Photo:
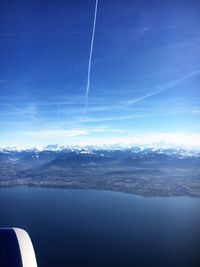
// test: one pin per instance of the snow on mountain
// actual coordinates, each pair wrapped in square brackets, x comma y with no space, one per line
[158,148]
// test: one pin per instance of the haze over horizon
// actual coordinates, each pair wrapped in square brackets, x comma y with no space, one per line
[145,72]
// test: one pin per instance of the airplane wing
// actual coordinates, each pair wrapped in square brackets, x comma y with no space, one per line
[16,249]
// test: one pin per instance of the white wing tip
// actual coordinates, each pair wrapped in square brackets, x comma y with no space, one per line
[26,248]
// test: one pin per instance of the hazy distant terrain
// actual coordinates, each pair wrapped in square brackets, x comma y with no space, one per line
[147,171]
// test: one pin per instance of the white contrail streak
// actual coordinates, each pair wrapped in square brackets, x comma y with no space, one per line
[58,112]
[164,87]
[90,57]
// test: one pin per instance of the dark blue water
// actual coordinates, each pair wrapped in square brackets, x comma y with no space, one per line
[97,228]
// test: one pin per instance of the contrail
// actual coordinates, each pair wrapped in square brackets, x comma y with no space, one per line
[160,89]
[90,57]
[58,112]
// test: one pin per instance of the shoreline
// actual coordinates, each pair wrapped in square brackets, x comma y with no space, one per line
[100,190]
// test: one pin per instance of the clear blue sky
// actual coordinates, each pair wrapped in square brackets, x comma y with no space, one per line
[145,76]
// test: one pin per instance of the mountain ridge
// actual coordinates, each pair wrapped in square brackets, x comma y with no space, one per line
[137,170]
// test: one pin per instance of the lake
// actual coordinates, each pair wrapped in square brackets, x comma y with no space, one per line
[99,228]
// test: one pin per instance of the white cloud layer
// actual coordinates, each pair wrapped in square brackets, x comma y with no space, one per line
[56,133]
[84,137]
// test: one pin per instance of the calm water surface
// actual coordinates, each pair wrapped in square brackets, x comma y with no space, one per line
[97,228]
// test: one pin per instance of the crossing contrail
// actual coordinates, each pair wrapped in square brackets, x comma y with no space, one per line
[90,57]
[58,112]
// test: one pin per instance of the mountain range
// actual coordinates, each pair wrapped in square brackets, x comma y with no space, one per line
[147,170]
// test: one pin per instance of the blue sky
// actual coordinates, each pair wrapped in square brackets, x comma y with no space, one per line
[145,72]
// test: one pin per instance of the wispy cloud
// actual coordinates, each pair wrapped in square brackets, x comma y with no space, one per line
[56,133]
[28,111]
[115,118]
[15,34]
[85,137]
[73,132]
[176,138]
[196,111]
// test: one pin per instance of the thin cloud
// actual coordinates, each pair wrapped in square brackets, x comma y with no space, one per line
[56,133]
[196,111]
[128,117]
[62,133]
[16,33]
[150,138]
[21,112]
